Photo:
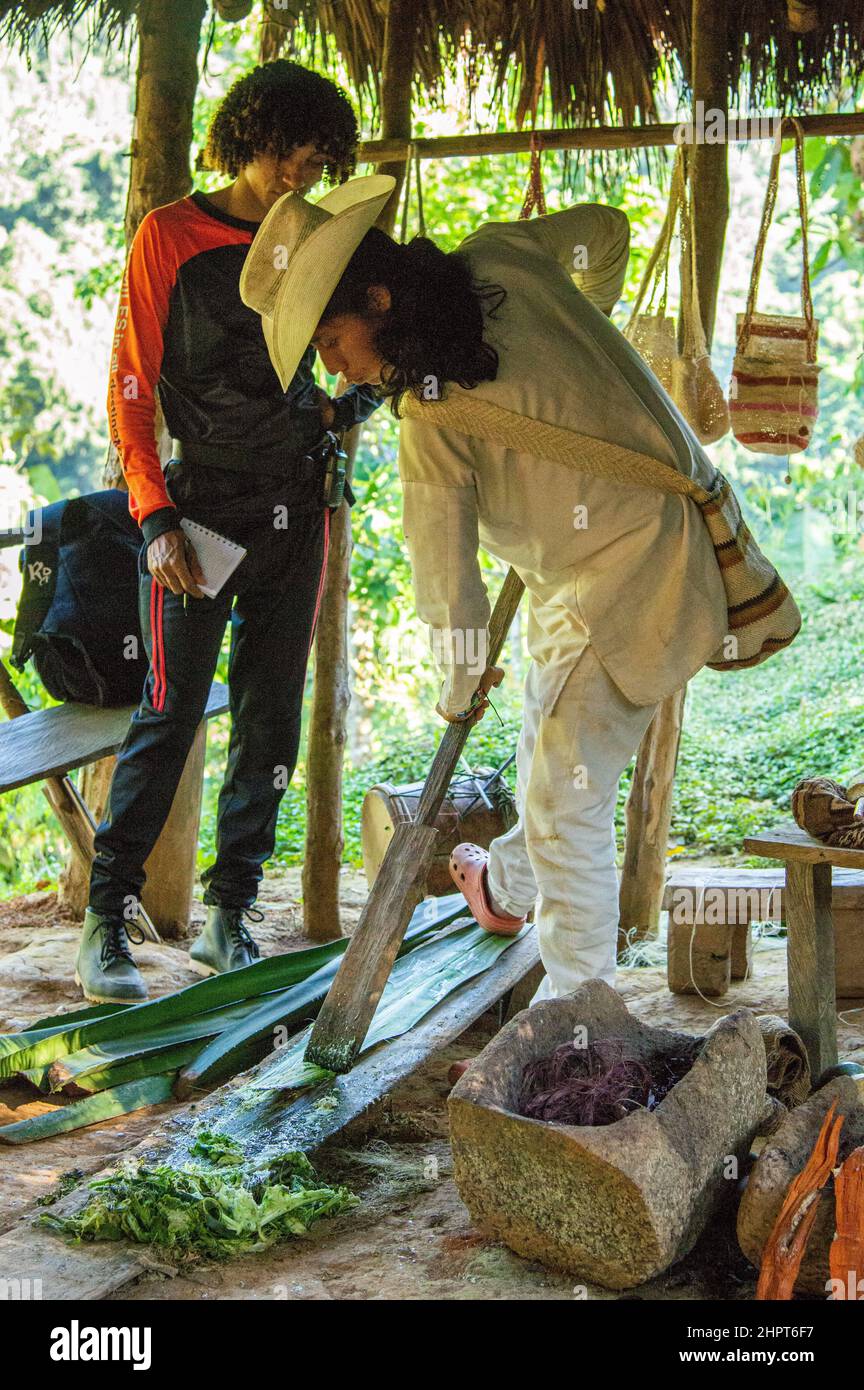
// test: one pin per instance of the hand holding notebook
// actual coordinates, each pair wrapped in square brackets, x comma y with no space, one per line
[217,555]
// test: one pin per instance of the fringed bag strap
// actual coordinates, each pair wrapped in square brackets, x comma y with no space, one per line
[481,419]
[694,344]
[756,271]
[656,274]
[767,214]
[806,295]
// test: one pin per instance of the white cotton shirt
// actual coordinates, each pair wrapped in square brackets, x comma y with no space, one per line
[629,569]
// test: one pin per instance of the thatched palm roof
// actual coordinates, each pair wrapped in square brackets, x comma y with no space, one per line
[550,57]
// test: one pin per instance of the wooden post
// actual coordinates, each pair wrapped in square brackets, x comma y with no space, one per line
[397,76]
[709,171]
[649,811]
[328,725]
[649,806]
[166,82]
[171,867]
[810,962]
[328,733]
[346,1013]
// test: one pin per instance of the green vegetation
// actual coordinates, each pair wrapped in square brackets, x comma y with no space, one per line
[127,1057]
[215,1205]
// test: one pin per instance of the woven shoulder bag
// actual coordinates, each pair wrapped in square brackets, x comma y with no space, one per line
[763,615]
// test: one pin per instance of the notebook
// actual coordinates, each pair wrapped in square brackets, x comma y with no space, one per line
[217,556]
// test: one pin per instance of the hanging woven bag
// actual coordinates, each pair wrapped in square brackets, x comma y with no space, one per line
[773,394]
[695,389]
[650,330]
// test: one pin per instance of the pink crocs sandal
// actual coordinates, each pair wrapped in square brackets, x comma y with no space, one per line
[468,872]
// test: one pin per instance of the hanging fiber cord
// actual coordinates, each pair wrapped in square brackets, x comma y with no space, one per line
[535,195]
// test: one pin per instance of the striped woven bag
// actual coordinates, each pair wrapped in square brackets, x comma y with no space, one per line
[763,615]
[773,394]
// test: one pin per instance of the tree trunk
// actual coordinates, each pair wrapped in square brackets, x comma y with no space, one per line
[166,81]
[328,726]
[649,806]
[397,77]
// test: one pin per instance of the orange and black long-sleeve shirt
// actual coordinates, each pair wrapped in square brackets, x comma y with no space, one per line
[183,331]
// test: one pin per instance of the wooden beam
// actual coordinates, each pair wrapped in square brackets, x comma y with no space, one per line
[709,164]
[395,151]
[171,866]
[397,77]
[54,741]
[794,845]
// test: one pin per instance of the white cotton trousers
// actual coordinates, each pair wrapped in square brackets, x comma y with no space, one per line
[560,856]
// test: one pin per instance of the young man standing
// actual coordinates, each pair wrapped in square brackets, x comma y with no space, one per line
[245,465]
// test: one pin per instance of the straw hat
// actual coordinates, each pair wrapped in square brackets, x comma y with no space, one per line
[297,258]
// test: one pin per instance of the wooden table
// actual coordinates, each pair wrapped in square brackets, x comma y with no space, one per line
[810,947]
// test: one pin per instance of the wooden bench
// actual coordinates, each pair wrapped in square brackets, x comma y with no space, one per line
[711,909]
[810,948]
[44,745]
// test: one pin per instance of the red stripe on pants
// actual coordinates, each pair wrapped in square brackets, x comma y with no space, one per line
[320,594]
[157,598]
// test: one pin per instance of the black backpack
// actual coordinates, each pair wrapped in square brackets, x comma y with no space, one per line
[78,614]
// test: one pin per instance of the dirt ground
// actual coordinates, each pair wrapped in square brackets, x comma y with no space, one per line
[411,1237]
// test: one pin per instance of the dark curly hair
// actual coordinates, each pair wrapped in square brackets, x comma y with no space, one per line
[275,108]
[435,325]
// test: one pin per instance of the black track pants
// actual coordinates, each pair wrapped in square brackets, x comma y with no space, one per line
[271,601]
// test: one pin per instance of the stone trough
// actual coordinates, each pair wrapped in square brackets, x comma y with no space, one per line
[615,1204]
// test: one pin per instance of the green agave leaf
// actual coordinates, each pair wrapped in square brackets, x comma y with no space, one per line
[104,1106]
[230,1051]
[76,1065]
[113,1066]
[76,1016]
[417,983]
[219,991]
[276,972]
[114,1074]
